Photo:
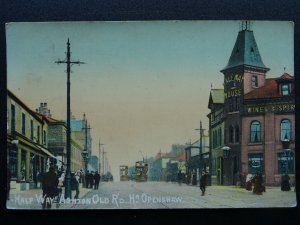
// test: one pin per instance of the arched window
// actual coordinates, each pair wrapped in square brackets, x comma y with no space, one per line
[231,134]
[285,130]
[255,132]
[237,134]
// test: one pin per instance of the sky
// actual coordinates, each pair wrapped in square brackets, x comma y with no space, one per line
[144,85]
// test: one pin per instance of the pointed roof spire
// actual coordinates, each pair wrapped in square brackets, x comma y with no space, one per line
[245,51]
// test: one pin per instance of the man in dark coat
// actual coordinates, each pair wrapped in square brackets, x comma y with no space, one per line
[97,180]
[203,183]
[91,179]
[285,183]
[179,177]
[87,179]
[74,185]
[258,187]
[49,183]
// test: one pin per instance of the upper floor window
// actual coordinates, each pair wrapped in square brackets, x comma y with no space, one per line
[285,89]
[285,129]
[23,123]
[31,129]
[254,81]
[44,137]
[13,117]
[255,132]
[38,134]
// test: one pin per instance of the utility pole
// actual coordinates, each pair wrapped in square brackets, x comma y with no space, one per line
[86,128]
[201,130]
[68,192]
[103,152]
[99,155]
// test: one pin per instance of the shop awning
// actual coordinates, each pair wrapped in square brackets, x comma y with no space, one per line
[46,151]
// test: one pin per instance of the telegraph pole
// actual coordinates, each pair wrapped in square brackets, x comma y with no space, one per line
[103,152]
[99,155]
[86,128]
[201,130]
[68,192]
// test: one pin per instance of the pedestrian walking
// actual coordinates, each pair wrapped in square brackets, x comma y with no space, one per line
[258,187]
[87,179]
[75,184]
[285,183]
[8,182]
[49,186]
[179,177]
[91,179]
[249,182]
[61,179]
[97,180]
[203,183]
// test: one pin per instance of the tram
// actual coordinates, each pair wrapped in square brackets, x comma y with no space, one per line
[141,169]
[124,173]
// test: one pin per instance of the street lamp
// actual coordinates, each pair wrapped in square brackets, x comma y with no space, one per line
[85,156]
[285,143]
[226,151]
[287,151]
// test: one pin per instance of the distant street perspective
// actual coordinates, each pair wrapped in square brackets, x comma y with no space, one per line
[156,195]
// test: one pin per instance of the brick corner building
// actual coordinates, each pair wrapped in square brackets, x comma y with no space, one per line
[252,117]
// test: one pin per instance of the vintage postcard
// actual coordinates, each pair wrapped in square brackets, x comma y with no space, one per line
[150,115]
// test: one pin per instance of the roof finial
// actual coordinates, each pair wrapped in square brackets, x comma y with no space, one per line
[284,69]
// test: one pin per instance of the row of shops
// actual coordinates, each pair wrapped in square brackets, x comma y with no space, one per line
[36,141]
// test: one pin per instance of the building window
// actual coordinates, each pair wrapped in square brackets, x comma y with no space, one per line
[31,129]
[44,137]
[13,161]
[285,89]
[231,133]
[38,134]
[285,130]
[23,166]
[285,163]
[23,124]
[256,163]
[254,81]
[13,118]
[255,132]
[237,134]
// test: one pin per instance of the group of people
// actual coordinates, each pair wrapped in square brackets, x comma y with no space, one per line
[92,179]
[52,183]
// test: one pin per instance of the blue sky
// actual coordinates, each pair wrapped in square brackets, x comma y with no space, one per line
[145,85]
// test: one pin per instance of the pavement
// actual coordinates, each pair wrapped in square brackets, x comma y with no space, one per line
[31,199]
[123,192]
